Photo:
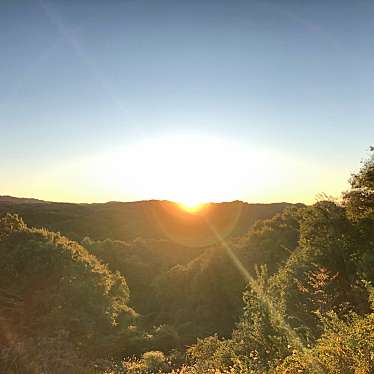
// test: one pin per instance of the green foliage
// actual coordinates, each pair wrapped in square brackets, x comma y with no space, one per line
[343,348]
[360,199]
[151,362]
[154,360]
[210,353]
[271,241]
[64,296]
[262,332]
[165,337]
[201,297]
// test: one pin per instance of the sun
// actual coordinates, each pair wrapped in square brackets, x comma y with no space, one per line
[187,169]
[191,206]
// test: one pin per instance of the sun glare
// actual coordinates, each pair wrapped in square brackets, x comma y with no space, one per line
[191,206]
[186,169]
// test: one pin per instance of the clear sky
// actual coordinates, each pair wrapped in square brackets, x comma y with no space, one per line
[196,100]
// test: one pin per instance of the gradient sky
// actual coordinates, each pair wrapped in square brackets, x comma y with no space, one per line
[84,85]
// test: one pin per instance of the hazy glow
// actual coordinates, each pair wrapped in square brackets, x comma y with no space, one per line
[188,169]
[191,206]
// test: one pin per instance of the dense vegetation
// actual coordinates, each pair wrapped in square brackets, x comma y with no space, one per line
[292,293]
[142,219]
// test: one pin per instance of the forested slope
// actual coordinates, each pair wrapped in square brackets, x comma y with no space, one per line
[292,293]
[152,219]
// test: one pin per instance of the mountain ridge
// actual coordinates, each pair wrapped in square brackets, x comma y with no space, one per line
[147,219]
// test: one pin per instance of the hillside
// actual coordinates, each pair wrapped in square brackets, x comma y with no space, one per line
[146,219]
[10,200]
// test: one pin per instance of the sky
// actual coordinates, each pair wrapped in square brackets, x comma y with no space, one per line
[184,100]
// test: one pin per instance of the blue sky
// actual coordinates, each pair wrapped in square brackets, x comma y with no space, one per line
[81,78]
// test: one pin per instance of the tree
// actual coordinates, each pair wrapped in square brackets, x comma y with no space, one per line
[70,301]
[345,347]
[359,200]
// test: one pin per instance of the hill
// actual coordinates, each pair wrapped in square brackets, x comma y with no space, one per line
[58,304]
[10,200]
[152,219]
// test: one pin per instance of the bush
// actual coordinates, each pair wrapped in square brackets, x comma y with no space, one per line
[154,361]
[344,348]
[59,303]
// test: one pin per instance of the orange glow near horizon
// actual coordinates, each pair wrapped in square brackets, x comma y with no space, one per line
[188,169]
[191,206]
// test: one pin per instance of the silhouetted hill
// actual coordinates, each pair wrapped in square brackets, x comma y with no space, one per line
[147,219]
[10,200]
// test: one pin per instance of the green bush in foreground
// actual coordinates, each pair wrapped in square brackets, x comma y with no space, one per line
[59,306]
[343,348]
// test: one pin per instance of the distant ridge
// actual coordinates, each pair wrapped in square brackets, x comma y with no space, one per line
[150,219]
[4,199]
